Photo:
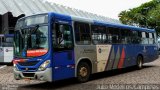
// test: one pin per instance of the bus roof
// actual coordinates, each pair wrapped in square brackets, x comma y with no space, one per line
[124,26]
[96,22]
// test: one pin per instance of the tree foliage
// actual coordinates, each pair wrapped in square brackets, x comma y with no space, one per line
[147,15]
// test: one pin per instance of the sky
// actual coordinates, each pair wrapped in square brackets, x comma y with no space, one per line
[108,8]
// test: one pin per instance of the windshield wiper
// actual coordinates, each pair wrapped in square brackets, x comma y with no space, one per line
[20,30]
[36,28]
[26,35]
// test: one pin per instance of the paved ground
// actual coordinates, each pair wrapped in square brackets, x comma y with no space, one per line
[130,78]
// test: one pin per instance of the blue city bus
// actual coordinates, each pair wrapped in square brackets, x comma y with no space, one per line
[52,46]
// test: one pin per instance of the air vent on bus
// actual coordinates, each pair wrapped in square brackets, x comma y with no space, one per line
[28,74]
[32,63]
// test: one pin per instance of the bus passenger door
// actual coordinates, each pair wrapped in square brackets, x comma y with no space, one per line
[63,52]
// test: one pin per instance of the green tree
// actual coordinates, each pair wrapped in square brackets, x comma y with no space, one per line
[147,15]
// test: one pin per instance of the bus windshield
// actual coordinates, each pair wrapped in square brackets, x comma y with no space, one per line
[32,20]
[31,41]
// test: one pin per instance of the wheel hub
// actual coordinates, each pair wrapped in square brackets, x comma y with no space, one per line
[83,71]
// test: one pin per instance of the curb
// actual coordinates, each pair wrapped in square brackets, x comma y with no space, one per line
[1,67]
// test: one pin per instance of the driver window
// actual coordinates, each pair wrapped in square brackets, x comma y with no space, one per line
[62,37]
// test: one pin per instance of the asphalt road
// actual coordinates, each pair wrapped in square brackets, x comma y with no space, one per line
[129,78]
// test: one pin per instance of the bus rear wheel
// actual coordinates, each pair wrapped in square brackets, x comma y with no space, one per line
[139,62]
[83,72]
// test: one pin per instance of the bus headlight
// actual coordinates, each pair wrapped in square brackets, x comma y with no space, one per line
[44,65]
[15,66]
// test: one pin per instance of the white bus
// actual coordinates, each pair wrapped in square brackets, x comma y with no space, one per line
[6,48]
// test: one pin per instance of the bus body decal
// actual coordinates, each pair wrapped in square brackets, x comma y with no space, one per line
[121,61]
[111,59]
[117,58]
[103,52]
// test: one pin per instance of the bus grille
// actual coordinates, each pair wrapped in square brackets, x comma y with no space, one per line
[32,63]
[28,74]
[28,69]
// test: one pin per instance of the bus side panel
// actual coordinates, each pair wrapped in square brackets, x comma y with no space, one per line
[86,52]
[147,51]
[130,58]
[64,65]
[8,54]
[103,52]
[133,51]
[119,57]
[1,54]
[113,59]
[122,55]
[126,55]
[128,50]
[152,53]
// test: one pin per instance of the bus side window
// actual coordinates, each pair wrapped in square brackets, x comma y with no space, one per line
[82,33]
[151,39]
[144,38]
[136,37]
[114,35]
[99,34]
[125,37]
[62,37]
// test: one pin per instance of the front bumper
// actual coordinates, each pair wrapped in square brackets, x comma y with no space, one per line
[45,75]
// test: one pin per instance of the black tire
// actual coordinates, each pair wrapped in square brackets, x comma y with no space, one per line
[83,72]
[139,62]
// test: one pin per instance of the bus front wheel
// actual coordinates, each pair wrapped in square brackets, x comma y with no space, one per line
[83,72]
[139,62]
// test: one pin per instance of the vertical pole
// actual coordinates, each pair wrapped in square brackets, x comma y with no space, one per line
[1,42]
